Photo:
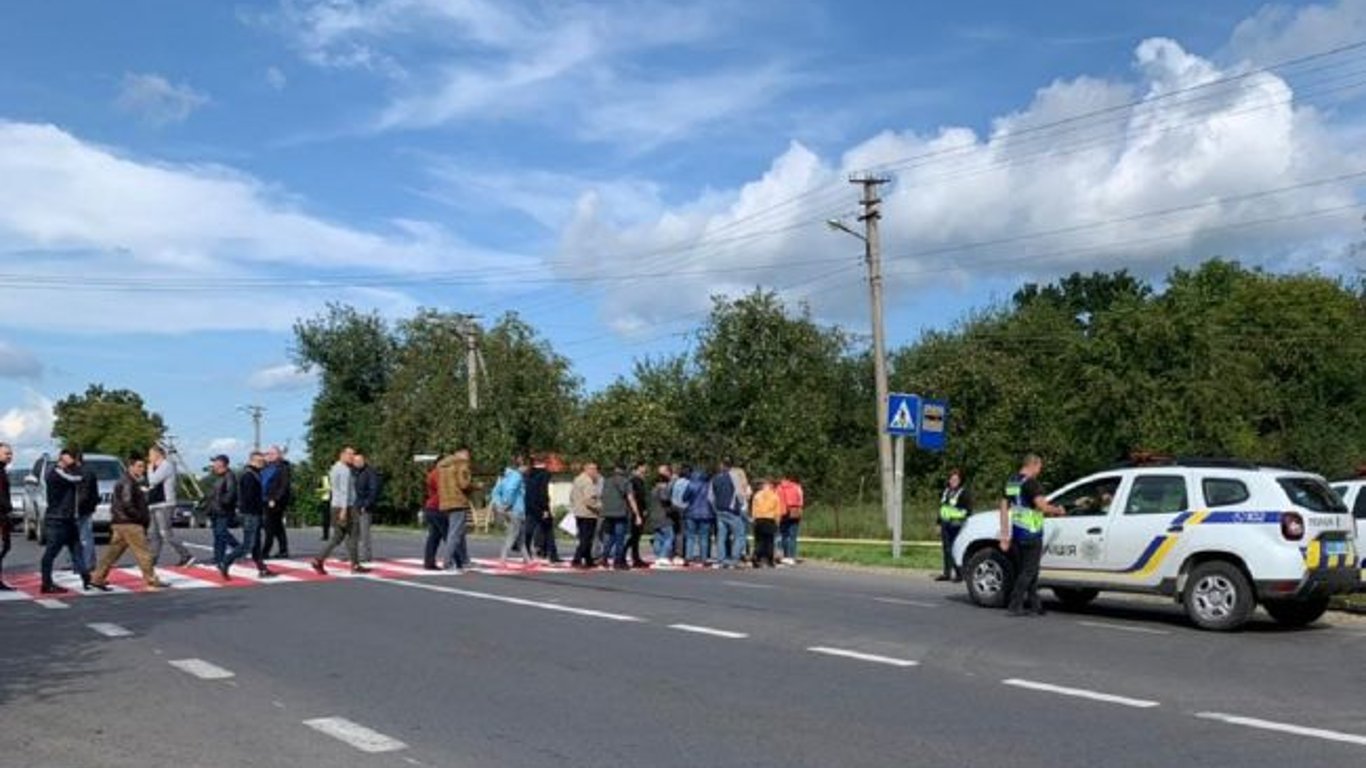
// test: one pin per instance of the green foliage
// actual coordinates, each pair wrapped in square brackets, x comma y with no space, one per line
[113,421]
[353,352]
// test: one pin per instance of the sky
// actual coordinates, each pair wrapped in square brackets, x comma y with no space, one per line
[181,180]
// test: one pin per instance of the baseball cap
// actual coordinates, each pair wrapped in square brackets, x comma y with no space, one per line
[223,457]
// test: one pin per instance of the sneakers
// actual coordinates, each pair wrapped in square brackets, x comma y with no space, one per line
[223,571]
[187,561]
[359,569]
[156,586]
[99,586]
[941,577]
[5,587]
[789,561]
[266,574]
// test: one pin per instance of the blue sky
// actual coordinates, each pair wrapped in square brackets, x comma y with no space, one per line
[180,180]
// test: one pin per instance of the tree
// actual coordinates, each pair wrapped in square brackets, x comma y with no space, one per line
[112,421]
[354,353]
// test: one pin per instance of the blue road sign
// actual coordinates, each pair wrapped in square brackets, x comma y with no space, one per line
[903,414]
[933,431]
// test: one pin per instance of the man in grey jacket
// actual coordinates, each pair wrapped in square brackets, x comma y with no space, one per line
[161,502]
[342,507]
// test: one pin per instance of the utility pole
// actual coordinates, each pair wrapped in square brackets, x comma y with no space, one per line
[256,412]
[469,328]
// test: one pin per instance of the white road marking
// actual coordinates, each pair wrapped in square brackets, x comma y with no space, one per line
[1081,693]
[356,735]
[748,585]
[110,630]
[511,600]
[900,601]
[709,631]
[860,656]
[1297,730]
[48,602]
[1124,628]
[201,669]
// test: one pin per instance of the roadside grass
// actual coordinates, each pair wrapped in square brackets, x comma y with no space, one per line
[1354,603]
[875,554]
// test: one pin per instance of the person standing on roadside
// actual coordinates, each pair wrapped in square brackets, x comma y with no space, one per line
[60,529]
[679,481]
[509,499]
[794,501]
[540,518]
[342,507]
[1022,510]
[455,483]
[6,509]
[585,503]
[700,518]
[129,516]
[659,522]
[161,501]
[276,479]
[728,528]
[955,504]
[617,510]
[251,506]
[768,511]
[640,510]
[367,498]
[222,508]
[744,494]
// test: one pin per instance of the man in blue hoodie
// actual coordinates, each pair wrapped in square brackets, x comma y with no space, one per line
[509,501]
[699,518]
[730,536]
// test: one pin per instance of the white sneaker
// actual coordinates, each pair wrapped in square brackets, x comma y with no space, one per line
[662,564]
[789,561]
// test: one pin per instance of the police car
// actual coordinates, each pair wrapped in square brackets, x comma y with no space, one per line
[1353,494]
[1217,536]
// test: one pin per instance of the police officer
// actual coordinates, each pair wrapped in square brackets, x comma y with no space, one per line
[955,503]
[1023,509]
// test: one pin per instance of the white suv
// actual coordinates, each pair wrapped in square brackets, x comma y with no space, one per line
[1353,493]
[1218,536]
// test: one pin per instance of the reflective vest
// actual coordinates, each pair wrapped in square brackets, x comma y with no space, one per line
[949,511]
[325,489]
[1024,518]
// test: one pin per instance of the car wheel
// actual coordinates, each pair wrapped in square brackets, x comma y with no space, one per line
[989,576]
[1218,597]
[1075,597]
[1297,613]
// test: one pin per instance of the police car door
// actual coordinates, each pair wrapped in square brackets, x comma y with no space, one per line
[1077,541]
[1142,537]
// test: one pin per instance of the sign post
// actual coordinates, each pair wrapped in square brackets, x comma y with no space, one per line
[903,421]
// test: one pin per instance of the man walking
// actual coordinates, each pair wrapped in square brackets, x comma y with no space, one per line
[540,518]
[276,479]
[129,516]
[6,509]
[161,499]
[585,503]
[509,502]
[794,501]
[1022,511]
[60,528]
[455,483]
[955,503]
[367,498]
[342,508]
[87,501]
[222,508]
[251,505]
[616,513]
[729,531]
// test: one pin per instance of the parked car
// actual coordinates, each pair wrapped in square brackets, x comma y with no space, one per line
[1353,493]
[1216,536]
[107,469]
[17,496]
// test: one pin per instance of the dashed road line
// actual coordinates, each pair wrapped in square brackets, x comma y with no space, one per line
[355,734]
[201,669]
[748,585]
[1081,693]
[48,602]
[555,607]
[903,601]
[1124,628]
[860,656]
[1297,730]
[729,635]
[110,630]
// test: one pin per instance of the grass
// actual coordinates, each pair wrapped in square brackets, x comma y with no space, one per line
[1353,603]
[879,554]
[865,521]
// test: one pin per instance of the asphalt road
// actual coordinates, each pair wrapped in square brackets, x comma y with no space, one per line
[805,666]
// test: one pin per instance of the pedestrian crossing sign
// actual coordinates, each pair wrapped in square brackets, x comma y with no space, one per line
[903,411]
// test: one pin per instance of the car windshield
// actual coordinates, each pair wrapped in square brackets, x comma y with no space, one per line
[1312,494]
[105,469]
[16,478]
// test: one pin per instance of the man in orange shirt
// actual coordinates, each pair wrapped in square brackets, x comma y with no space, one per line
[794,499]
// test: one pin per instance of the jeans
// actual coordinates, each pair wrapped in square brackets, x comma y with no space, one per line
[438,527]
[455,552]
[583,554]
[516,531]
[680,538]
[633,542]
[223,540]
[699,539]
[62,534]
[729,536]
[121,539]
[87,533]
[788,529]
[274,530]
[764,531]
[343,529]
[251,543]
[614,540]
[161,532]
[948,532]
[1026,554]
[367,552]
[664,542]
[746,525]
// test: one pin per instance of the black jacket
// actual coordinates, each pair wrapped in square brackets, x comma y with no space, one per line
[6,503]
[537,493]
[281,487]
[251,500]
[62,489]
[129,505]
[88,497]
[367,488]
[223,499]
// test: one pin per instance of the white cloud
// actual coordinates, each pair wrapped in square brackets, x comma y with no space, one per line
[28,426]
[18,363]
[234,448]
[276,79]
[156,100]
[1278,32]
[970,188]
[283,377]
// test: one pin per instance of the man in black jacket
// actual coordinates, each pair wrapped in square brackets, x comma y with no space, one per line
[128,519]
[251,505]
[277,479]
[6,509]
[367,498]
[222,507]
[60,529]
[540,518]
